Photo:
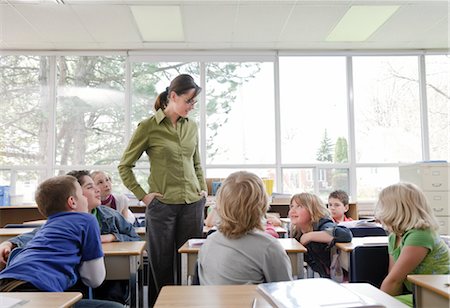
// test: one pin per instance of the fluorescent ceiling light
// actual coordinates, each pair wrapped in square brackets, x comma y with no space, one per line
[360,22]
[159,23]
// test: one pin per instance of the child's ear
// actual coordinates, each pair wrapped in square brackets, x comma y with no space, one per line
[346,207]
[71,202]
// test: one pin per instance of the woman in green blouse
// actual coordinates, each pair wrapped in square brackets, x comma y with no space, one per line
[177,194]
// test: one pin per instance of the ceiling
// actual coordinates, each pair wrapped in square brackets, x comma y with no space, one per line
[218,25]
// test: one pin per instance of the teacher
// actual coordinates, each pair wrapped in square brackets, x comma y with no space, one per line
[177,187]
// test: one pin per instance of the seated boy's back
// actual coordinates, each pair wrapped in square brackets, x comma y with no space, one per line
[240,252]
[254,258]
[66,247]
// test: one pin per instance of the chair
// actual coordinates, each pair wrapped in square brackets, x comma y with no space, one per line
[196,278]
[369,264]
[367,231]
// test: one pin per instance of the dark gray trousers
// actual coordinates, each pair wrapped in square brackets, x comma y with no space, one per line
[168,227]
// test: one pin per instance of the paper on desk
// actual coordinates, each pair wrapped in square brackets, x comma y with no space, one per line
[195,242]
[9,302]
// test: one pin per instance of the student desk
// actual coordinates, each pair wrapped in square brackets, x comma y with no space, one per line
[347,248]
[140,231]
[45,299]
[292,247]
[431,290]
[244,295]
[7,233]
[17,214]
[123,261]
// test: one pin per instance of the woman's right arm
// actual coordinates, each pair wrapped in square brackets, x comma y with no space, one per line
[137,145]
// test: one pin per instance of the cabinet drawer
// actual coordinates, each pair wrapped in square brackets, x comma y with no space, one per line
[429,177]
[438,201]
[434,178]
[443,225]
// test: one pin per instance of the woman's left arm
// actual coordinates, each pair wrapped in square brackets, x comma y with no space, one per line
[410,257]
[199,170]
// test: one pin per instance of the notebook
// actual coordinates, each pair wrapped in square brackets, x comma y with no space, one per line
[9,302]
[312,293]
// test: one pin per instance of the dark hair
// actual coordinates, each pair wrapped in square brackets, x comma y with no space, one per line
[51,195]
[341,195]
[79,175]
[180,85]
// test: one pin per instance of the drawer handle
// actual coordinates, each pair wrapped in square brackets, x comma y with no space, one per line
[436,184]
[438,210]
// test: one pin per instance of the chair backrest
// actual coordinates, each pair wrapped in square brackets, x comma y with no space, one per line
[368,231]
[369,264]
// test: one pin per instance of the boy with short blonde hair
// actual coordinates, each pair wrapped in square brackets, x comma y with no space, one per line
[240,252]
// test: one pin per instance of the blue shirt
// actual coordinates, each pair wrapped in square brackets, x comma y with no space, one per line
[50,261]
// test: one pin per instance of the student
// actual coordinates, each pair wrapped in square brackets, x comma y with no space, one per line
[240,252]
[414,244]
[338,205]
[312,226]
[67,247]
[118,202]
[113,227]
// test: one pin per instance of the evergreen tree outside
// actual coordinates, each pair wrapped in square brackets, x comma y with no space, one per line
[324,153]
[341,150]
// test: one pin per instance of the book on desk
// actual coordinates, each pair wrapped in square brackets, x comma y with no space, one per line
[311,293]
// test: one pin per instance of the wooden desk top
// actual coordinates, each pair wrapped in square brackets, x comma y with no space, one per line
[35,222]
[363,241]
[10,207]
[290,245]
[243,296]
[439,284]
[139,230]
[123,248]
[210,296]
[14,231]
[45,299]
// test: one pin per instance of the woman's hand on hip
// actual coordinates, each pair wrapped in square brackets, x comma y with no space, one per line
[203,193]
[148,198]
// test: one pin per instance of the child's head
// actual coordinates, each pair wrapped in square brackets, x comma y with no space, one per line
[103,182]
[242,203]
[306,209]
[90,190]
[60,194]
[338,204]
[402,207]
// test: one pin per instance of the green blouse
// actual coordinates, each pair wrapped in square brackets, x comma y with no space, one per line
[175,168]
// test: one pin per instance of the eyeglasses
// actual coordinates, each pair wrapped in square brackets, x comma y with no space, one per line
[191,101]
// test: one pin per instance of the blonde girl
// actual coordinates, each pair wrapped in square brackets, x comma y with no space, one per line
[118,202]
[414,244]
[312,226]
[240,252]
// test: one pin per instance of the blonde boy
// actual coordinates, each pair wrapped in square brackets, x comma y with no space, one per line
[240,252]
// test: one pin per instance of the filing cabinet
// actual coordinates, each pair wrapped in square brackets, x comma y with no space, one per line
[433,179]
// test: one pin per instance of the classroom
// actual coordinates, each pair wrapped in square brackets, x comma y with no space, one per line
[310,96]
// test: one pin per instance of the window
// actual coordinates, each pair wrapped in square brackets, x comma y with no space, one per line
[90,110]
[240,122]
[387,109]
[438,98]
[313,105]
[69,112]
